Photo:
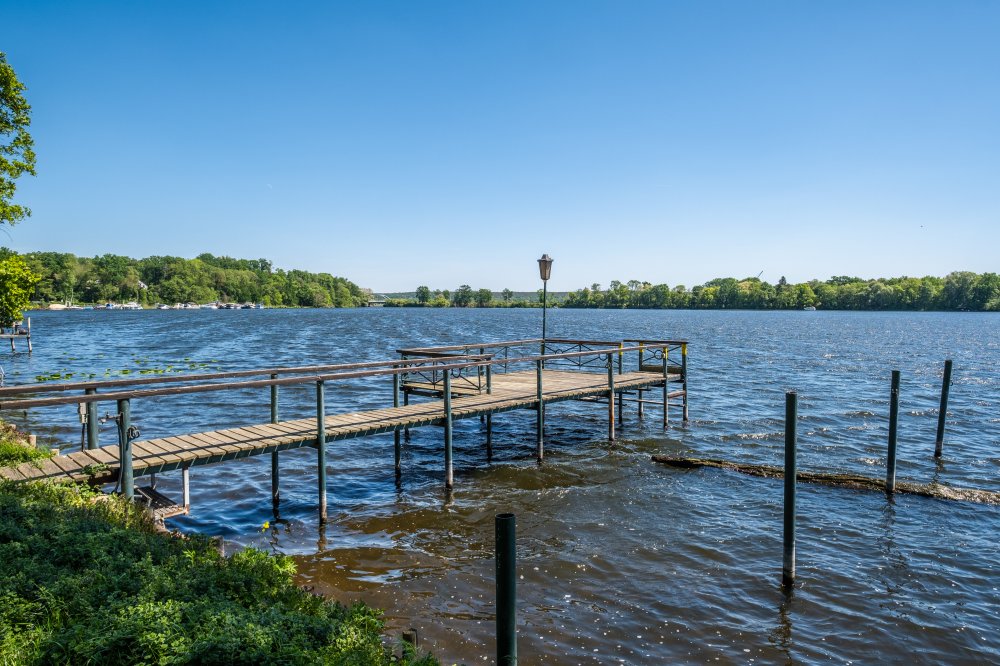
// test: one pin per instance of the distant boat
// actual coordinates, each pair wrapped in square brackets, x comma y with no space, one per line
[809,308]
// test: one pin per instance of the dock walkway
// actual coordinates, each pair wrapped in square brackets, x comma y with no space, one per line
[453,383]
[511,391]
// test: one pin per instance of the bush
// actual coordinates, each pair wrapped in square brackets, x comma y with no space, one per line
[88,579]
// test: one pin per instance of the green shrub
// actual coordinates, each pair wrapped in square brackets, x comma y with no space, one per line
[88,580]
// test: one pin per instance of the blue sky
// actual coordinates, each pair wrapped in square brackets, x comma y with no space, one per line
[447,143]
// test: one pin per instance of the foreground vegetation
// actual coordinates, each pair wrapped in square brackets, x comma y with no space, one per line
[89,580]
[114,278]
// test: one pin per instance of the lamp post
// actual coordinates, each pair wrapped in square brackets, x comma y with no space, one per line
[544,271]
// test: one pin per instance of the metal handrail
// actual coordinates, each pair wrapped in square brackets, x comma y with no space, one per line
[392,368]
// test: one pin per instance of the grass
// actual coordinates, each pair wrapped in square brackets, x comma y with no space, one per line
[14,447]
[88,580]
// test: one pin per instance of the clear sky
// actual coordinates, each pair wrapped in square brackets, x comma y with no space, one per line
[444,143]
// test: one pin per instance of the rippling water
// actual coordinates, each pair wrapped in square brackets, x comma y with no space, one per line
[621,561]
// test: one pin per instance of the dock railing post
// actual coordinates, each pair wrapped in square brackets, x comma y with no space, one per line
[666,388]
[943,409]
[890,463]
[489,417]
[684,377]
[93,429]
[540,414]
[274,455]
[639,414]
[621,398]
[506,582]
[611,397]
[788,555]
[125,473]
[321,448]
[397,446]
[449,477]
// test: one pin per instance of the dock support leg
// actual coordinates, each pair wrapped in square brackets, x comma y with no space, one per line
[93,429]
[449,478]
[321,449]
[684,378]
[666,390]
[275,495]
[186,488]
[489,437]
[406,401]
[397,445]
[539,415]
[611,398]
[125,449]
[639,415]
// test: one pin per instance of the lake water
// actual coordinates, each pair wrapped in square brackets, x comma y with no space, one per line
[620,560]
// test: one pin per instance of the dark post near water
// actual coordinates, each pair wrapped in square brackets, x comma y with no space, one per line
[125,449]
[545,272]
[449,474]
[890,463]
[321,448]
[788,556]
[397,446]
[274,455]
[943,410]
[540,414]
[506,580]
[93,430]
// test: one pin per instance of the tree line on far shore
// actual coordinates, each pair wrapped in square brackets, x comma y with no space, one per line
[957,291]
[66,278]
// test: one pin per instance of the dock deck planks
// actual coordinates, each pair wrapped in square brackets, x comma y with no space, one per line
[510,391]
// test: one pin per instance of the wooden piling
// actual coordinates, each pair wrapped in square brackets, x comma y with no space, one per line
[684,378]
[943,409]
[788,554]
[539,415]
[397,446]
[321,448]
[275,494]
[449,477]
[611,398]
[666,388]
[890,463]
[505,544]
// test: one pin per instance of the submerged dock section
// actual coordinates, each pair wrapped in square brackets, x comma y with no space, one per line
[429,386]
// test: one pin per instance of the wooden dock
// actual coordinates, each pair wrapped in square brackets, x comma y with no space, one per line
[460,384]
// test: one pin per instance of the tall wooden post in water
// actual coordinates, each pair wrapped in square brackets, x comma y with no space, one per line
[788,553]
[449,475]
[890,463]
[943,409]
[321,448]
[539,414]
[274,454]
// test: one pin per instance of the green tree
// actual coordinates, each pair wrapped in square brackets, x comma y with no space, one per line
[17,155]
[507,295]
[423,295]
[462,297]
[17,283]
[483,298]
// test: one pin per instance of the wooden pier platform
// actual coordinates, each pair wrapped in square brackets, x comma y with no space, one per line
[516,390]
[456,382]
